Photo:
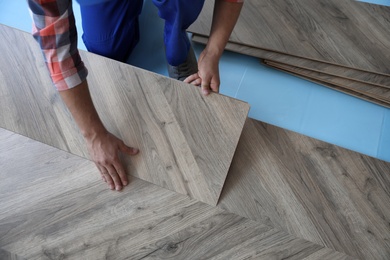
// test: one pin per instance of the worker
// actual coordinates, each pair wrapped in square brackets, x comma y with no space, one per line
[111,29]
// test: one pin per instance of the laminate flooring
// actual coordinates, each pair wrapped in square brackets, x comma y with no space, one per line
[55,207]
[311,189]
[375,93]
[303,187]
[347,33]
[187,141]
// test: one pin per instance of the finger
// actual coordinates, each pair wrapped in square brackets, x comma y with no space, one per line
[205,89]
[196,82]
[101,170]
[115,177]
[128,150]
[191,78]
[121,172]
[214,85]
[108,178]
[206,85]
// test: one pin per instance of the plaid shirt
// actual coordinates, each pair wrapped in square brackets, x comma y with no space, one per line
[55,30]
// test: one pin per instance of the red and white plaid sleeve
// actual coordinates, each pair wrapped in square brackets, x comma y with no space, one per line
[55,30]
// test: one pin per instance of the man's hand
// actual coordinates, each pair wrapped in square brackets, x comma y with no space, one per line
[103,147]
[225,17]
[208,74]
[104,151]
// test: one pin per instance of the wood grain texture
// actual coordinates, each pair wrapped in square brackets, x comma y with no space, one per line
[54,207]
[311,189]
[370,78]
[187,141]
[5,255]
[347,33]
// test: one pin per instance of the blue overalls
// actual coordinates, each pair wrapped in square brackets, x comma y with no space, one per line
[111,26]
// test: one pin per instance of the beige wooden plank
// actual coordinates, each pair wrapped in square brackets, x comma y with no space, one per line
[187,141]
[369,78]
[54,207]
[347,33]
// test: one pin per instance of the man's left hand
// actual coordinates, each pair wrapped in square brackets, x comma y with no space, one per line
[208,73]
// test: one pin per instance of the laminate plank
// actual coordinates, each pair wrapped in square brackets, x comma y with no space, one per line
[345,33]
[4,255]
[313,190]
[187,141]
[382,94]
[359,94]
[330,69]
[53,209]
[370,91]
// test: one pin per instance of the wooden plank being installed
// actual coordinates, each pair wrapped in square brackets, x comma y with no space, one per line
[53,206]
[369,78]
[187,141]
[347,33]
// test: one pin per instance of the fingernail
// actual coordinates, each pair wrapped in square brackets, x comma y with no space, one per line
[118,188]
[125,183]
[205,91]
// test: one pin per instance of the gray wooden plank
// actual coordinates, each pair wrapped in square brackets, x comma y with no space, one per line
[54,207]
[356,90]
[350,91]
[313,190]
[347,33]
[382,94]
[4,255]
[187,141]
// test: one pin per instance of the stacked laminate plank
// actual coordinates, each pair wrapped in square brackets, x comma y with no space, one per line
[340,44]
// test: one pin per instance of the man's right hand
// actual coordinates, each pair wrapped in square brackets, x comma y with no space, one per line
[104,150]
[103,147]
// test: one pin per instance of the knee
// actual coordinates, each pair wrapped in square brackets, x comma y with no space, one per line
[174,10]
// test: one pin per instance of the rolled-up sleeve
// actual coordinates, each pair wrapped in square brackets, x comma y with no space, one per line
[55,30]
